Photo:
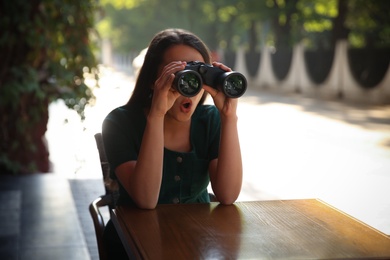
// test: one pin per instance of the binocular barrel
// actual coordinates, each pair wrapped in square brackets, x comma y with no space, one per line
[189,81]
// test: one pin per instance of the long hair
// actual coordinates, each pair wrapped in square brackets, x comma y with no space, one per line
[163,40]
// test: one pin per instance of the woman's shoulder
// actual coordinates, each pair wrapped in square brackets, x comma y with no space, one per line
[123,112]
[125,120]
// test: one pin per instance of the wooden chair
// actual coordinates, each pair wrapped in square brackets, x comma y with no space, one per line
[110,186]
[107,200]
[99,223]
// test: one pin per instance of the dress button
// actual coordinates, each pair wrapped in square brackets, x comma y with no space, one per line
[179,159]
[177,178]
[175,200]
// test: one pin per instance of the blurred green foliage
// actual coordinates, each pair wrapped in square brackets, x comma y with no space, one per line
[227,24]
[45,48]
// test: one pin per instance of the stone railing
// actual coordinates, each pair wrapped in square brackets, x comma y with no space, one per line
[338,81]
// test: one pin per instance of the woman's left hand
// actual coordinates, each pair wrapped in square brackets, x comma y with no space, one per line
[226,106]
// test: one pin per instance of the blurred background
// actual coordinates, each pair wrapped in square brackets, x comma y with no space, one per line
[314,123]
[328,50]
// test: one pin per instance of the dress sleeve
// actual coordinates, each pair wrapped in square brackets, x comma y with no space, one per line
[121,142]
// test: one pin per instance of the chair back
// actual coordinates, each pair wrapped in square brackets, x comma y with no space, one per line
[110,186]
[98,222]
[105,166]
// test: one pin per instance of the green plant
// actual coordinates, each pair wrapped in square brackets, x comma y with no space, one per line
[45,49]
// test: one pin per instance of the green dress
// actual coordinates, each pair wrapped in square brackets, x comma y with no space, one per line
[185,175]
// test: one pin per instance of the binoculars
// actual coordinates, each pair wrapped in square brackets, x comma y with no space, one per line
[189,82]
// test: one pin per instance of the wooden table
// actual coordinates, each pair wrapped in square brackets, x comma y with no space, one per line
[284,229]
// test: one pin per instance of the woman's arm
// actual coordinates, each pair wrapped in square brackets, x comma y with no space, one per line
[142,178]
[226,171]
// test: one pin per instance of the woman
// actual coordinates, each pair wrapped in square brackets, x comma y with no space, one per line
[166,148]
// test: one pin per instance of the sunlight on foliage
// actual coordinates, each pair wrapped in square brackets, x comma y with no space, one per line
[356,40]
[226,13]
[208,8]
[281,3]
[326,8]
[122,4]
[269,3]
[318,26]
[282,19]
[104,28]
[129,24]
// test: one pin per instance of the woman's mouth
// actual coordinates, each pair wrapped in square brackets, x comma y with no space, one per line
[185,106]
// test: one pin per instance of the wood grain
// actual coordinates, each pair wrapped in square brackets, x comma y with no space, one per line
[290,229]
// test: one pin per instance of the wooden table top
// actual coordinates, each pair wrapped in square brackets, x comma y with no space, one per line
[284,229]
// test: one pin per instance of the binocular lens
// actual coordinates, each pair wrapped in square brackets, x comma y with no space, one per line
[234,85]
[189,83]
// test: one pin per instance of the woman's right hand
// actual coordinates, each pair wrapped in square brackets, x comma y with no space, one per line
[163,94]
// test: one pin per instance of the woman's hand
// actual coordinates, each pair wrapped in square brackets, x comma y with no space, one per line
[226,106]
[163,94]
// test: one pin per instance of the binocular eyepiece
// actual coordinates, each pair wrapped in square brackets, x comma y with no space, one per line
[188,82]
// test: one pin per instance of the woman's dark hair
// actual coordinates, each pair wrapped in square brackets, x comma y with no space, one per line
[163,40]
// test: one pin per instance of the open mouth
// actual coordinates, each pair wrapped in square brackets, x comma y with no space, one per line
[186,106]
